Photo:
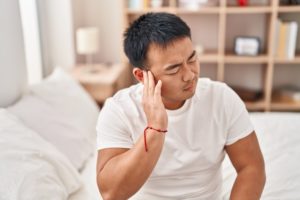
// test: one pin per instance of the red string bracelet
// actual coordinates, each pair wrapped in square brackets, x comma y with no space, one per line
[145,139]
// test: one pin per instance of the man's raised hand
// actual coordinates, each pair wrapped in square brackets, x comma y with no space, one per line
[152,102]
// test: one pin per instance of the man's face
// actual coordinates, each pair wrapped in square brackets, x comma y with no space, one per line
[177,66]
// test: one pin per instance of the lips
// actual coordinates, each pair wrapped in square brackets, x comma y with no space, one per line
[189,86]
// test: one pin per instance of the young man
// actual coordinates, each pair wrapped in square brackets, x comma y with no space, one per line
[166,137]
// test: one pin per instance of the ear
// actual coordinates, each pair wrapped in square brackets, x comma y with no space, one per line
[138,74]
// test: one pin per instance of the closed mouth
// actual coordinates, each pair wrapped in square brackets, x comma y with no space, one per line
[189,86]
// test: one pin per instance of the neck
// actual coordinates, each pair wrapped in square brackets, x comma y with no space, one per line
[172,105]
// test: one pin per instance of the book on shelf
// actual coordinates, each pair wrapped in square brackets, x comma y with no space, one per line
[287,94]
[138,4]
[292,40]
[196,4]
[285,39]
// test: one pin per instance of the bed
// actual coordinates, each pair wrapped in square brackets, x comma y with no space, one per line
[48,150]
[279,138]
[47,142]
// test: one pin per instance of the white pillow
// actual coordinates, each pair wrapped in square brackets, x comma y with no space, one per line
[30,167]
[63,113]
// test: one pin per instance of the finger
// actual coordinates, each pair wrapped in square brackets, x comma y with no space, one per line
[157,90]
[145,80]
[151,83]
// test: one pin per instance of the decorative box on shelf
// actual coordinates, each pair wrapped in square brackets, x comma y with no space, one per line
[102,80]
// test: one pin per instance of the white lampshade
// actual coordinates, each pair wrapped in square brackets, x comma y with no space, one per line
[87,40]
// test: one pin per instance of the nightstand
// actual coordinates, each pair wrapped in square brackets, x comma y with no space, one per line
[102,81]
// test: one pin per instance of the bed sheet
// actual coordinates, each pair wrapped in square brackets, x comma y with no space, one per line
[89,189]
[279,138]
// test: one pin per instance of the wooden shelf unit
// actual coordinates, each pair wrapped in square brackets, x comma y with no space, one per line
[174,10]
[288,9]
[248,10]
[257,105]
[221,57]
[232,58]
[285,106]
[296,60]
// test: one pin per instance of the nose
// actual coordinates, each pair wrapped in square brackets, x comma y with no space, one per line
[188,74]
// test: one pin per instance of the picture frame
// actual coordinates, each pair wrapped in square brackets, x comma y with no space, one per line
[247,46]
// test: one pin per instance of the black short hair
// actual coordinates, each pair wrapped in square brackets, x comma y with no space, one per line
[159,28]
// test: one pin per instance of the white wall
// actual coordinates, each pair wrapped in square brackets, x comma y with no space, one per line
[56,27]
[58,21]
[31,34]
[12,57]
[107,16]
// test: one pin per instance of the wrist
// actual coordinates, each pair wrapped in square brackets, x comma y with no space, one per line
[160,130]
[153,130]
[159,126]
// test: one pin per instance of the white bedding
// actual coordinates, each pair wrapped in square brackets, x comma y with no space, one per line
[88,177]
[62,113]
[43,153]
[279,137]
[30,167]
[33,169]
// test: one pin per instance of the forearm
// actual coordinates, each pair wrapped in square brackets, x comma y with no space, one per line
[249,184]
[123,175]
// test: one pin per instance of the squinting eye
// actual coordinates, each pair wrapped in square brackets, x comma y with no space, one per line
[192,61]
[173,71]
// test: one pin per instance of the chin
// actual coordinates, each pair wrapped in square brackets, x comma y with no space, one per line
[190,95]
[187,95]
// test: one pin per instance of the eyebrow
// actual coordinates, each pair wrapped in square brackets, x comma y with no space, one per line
[170,67]
[192,55]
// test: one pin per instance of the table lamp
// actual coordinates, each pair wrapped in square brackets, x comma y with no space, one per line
[87,40]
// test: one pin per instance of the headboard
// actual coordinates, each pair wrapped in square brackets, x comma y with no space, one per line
[13,77]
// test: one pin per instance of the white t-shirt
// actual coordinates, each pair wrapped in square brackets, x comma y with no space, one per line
[190,163]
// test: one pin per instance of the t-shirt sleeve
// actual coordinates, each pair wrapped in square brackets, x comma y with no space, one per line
[238,123]
[112,130]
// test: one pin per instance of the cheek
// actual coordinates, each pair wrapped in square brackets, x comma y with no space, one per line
[169,87]
[165,88]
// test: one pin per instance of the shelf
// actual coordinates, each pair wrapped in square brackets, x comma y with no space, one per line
[142,11]
[257,105]
[288,9]
[278,103]
[204,10]
[209,58]
[284,106]
[248,10]
[231,58]
[296,60]
[217,10]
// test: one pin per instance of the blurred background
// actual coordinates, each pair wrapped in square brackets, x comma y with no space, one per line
[251,45]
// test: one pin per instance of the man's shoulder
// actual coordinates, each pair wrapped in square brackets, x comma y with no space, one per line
[126,98]
[128,94]
[208,86]
[208,82]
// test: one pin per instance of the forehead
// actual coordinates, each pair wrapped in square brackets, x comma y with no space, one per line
[175,51]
